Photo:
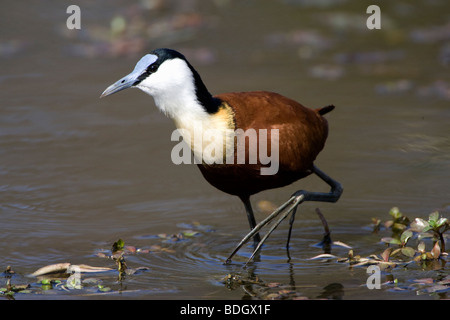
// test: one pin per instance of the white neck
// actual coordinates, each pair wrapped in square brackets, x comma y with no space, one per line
[176,98]
[205,134]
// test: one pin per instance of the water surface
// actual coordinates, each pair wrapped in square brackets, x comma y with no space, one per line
[77,173]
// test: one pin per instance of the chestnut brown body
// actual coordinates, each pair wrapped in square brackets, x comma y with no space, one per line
[302,135]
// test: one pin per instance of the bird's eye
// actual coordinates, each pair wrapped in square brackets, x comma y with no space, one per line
[152,68]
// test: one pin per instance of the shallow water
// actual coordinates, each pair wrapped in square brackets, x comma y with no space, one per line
[78,173]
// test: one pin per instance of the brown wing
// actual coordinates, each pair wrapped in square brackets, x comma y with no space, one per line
[302,134]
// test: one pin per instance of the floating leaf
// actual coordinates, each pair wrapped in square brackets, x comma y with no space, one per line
[323,256]
[391,240]
[190,233]
[102,288]
[424,280]
[73,283]
[341,244]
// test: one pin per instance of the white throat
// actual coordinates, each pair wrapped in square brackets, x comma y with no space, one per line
[173,89]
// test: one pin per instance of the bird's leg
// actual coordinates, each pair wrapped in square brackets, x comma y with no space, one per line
[251,218]
[332,196]
[295,200]
[259,226]
[291,223]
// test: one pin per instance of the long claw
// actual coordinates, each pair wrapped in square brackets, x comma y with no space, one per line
[258,227]
[297,198]
[298,201]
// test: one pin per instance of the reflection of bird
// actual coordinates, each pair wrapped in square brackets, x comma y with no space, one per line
[299,134]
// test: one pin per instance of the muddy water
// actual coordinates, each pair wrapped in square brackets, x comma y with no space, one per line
[77,173]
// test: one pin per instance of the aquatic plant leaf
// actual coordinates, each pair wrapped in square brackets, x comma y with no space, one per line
[398,227]
[73,283]
[386,253]
[376,225]
[340,244]
[102,288]
[391,240]
[418,225]
[190,233]
[436,251]
[424,281]
[405,236]
[395,213]
[323,256]
[118,245]
[388,224]
[441,222]
[408,251]
[433,217]
[421,247]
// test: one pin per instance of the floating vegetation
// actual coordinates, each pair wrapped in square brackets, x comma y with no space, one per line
[412,244]
[83,279]
[403,231]
[415,242]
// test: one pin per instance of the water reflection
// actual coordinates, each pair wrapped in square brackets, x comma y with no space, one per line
[253,285]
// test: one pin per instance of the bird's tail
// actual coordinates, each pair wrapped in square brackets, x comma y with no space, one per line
[325,110]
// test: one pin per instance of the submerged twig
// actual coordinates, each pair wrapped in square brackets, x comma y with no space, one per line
[326,240]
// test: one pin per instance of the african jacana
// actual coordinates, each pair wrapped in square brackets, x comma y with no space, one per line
[180,93]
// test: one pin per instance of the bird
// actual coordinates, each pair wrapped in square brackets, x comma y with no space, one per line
[295,135]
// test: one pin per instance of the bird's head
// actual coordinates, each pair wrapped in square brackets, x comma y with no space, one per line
[169,78]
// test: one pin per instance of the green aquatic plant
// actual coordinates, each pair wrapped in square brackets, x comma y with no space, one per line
[436,224]
[403,231]
[399,221]
[118,251]
[402,242]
